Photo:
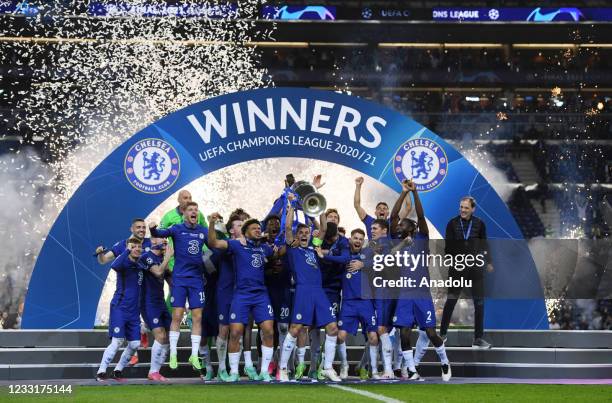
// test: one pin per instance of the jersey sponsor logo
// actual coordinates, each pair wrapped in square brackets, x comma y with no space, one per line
[221,317]
[155,321]
[311,259]
[116,330]
[298,316]
[349,275]
[233,316]
[201,235]
[257,261]
[339,323]
[152,165]
[423,161]
[194,247]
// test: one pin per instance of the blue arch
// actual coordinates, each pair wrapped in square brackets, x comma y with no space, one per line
[66,283]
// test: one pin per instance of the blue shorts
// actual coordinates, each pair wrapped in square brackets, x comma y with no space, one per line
[355,312]
[334,299]
[311,307]
[385,309]
[193,294]
[281,303]
[409,311]
[156,316]
[123,324]
[224,305]
[251,303]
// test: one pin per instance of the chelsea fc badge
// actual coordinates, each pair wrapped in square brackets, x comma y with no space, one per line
[152,165]
[423,161]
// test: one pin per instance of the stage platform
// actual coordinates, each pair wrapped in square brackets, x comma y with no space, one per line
[527,355]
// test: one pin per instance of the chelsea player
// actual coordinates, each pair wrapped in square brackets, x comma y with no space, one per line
[384,307]
[152,304]
[225,294]
[331,272]
[415,306]
[188,239]
[250,293]
[124,309]
[104,256]
[278,281]
[355,311]
[311,306]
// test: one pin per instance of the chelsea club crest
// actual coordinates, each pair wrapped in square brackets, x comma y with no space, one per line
[423,161]
[152,165]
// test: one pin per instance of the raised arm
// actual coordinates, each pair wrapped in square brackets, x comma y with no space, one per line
[357,199]
[289,221]
[323,228]
[119,262]
[159,269]
[418,207]
[213,242]
[157,232]
[104,257]
[406,209]
[395,218]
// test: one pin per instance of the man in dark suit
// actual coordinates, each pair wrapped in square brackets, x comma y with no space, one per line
[467,234]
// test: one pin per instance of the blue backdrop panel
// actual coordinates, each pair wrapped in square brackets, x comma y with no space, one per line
[67,281]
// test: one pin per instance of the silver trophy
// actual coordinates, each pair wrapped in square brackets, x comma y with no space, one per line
[313,202]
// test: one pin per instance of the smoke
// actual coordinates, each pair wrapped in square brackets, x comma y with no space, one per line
[484,163]
[25,221]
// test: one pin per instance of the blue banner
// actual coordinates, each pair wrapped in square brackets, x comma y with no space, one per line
[123,9]
[533,14]
[267,123]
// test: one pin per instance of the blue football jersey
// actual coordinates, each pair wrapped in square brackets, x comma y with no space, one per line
[305,266]
[332,272]
[249,263]
[129,280]
[153,287]
[188,242]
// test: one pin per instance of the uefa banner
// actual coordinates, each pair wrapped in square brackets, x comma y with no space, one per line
[267,123]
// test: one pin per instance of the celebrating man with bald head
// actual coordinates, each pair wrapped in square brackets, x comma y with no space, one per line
[175,216]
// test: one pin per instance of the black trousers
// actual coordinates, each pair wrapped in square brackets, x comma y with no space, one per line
[454,293]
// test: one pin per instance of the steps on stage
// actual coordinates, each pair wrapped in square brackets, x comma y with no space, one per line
[75,354]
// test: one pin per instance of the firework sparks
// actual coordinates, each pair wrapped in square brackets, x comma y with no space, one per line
[592,112]
[501,116]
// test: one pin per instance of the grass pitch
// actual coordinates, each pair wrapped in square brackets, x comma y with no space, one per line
[323,393]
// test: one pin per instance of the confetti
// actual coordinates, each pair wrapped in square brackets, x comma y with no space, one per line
[92,83]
